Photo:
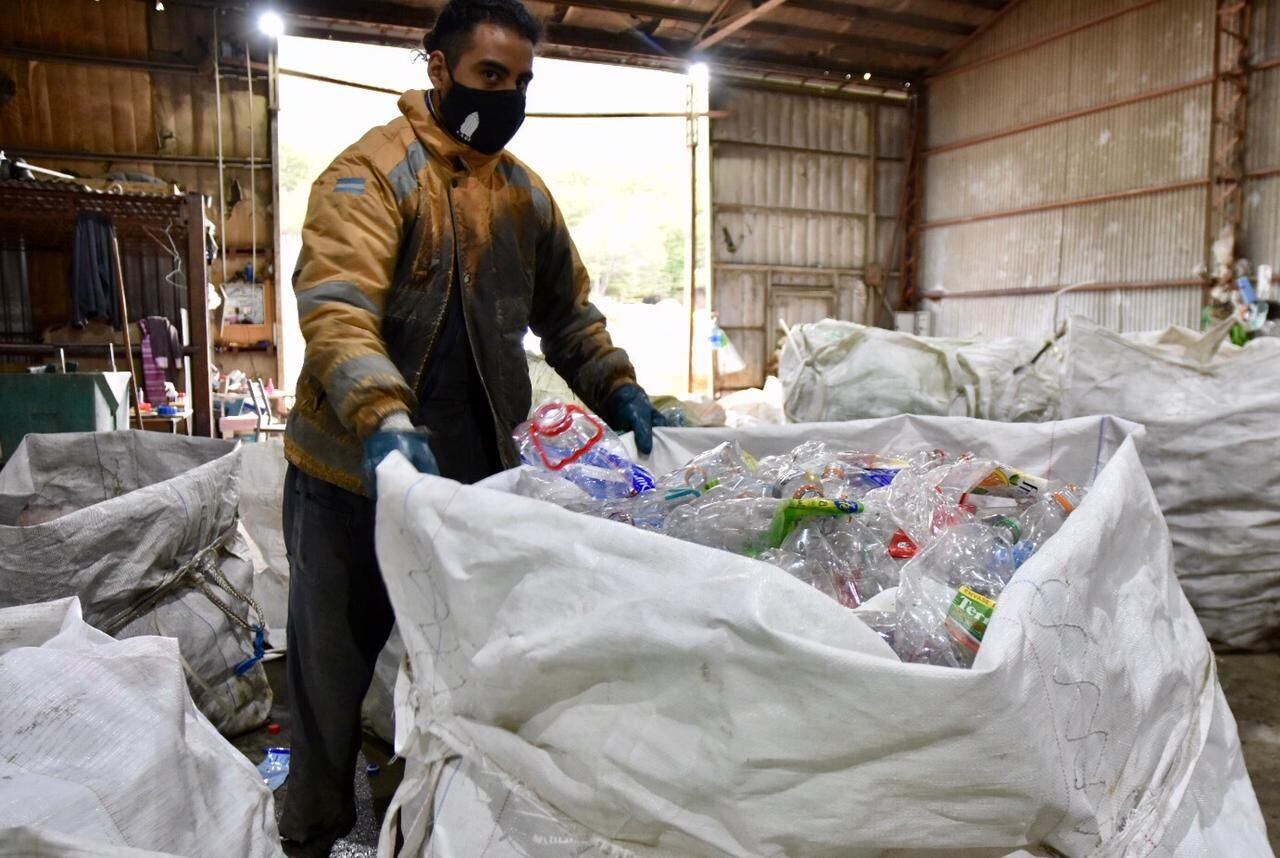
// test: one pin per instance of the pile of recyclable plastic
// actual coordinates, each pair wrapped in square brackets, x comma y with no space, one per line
[919,544]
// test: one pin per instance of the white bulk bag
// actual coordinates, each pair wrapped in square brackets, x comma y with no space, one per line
[103,752]
[832,370]
[669,699]
[142,527]
[1212,453]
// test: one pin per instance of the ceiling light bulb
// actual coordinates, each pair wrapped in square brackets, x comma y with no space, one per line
[866,75]
[271,24]
[159,6]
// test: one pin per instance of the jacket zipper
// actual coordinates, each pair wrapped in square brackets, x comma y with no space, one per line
[466,320]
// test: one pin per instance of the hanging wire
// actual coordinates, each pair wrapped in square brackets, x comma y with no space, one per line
[170,247]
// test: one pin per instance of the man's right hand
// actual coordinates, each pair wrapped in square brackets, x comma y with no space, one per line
[397,432]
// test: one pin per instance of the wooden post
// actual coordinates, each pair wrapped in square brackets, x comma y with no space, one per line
[198,314]
[128,335]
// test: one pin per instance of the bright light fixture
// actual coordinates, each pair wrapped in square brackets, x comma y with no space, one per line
[271,24]
[159,6]
[866,75]
[699,73]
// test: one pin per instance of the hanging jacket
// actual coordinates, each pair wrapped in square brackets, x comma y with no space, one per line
[397,222]
[92,280]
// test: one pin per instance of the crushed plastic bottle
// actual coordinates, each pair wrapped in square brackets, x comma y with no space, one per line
[739,525]
[930,540]
[725,466]
[274,767]
[944,592]
[1044,518]
[576,444]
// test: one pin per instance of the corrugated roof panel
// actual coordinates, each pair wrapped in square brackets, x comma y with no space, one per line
[1027,22]
[1008,253]
[1266,30]
[1262,152]
[750,175]
[1002,95]
[893,122]
[889,179]
[1157,47]
[780,119]
[1119,309]
[1141,239]
[1261,240]
[770,238]
[1144,239]
[1139,145]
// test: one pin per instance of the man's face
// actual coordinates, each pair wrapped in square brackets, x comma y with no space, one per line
[496,58]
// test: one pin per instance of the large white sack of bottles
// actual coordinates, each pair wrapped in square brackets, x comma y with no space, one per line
[144,528]
[1211,410]
[585,672]
[833,370]
[1212,414]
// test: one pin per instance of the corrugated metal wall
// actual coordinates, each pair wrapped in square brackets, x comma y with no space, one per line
[1070,144]
[1260,241]
[802,186]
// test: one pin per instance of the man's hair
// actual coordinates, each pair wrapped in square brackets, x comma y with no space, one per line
[458,19]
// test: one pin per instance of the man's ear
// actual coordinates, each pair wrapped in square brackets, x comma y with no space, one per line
[438,70]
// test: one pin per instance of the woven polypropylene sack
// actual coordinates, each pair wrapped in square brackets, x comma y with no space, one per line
[834,370]
[104,752]
[1212,453]
[142,527]
[669,699]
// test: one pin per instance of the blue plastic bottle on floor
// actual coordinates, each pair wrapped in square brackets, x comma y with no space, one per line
[274,768]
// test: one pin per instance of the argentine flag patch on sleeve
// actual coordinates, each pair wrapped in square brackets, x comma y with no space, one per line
[352,185]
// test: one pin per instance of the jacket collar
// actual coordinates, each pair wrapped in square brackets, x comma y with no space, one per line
[453,155]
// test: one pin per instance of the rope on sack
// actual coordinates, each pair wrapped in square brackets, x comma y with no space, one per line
[197,572]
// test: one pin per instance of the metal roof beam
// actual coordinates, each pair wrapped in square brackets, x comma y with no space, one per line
[843,11]
[790,31]
[855,12]
[736,24]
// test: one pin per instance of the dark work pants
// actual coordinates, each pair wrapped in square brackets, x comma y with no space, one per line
[339,620]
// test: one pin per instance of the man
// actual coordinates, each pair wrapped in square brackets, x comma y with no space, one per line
[427,253]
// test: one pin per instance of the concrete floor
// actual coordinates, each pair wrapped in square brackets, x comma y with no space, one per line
[1252,686]
[1251,683]
[373,792]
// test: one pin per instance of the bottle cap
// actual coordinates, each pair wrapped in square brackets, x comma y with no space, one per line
[553,418]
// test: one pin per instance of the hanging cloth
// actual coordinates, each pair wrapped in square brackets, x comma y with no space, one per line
[92,281]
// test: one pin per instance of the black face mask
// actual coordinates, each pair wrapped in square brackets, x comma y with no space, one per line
[485,120]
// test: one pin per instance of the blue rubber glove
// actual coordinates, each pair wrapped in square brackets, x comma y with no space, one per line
[629,410]
[397,433]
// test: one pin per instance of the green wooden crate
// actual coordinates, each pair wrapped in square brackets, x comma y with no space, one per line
[60,402]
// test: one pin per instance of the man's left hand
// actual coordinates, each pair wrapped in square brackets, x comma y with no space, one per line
[629,410]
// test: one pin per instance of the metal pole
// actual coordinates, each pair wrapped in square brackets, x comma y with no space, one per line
[691,124]
[273,116]
[253,181]
[222,184]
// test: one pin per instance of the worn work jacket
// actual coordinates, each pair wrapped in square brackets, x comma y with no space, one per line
[397,221]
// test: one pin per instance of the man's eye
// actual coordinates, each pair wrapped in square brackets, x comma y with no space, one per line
[491,76]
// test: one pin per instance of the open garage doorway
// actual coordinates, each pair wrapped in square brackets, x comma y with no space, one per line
[623,184]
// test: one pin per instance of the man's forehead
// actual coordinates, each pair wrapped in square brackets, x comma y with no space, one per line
[494,43]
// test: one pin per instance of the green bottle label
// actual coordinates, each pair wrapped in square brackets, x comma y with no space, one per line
[968,617]
[792,512]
